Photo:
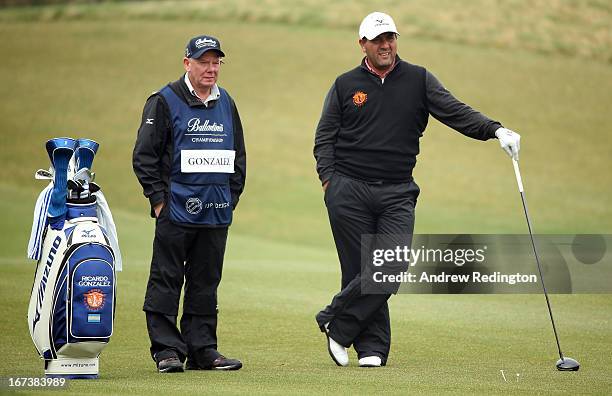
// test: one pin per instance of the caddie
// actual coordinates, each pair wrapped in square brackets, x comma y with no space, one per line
[190,159]
[366,145]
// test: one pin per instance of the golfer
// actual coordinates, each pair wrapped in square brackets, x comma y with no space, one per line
[190,159]
[366,145]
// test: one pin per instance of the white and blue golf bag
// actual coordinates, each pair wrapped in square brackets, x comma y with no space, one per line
[74,240]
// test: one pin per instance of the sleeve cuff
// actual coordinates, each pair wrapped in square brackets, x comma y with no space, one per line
[325,177]
[155,199]
[235,198]
[494,127]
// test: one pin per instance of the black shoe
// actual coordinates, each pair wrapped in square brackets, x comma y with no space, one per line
[223,363]
[170,365]
[220,363]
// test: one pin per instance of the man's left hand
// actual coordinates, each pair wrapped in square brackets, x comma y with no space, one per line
[510,141]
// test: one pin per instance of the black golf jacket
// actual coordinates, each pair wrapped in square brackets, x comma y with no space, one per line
[370,129]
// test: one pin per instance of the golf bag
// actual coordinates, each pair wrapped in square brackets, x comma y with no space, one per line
[72,305]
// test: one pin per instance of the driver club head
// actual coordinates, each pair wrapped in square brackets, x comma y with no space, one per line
[567,364]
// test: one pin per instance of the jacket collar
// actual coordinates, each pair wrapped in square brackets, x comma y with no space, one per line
[396,66]
[180,87]
[214,92]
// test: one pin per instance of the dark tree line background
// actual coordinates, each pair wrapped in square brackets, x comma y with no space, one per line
[17,3]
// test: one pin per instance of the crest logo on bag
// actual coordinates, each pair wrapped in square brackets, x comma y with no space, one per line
[94,299]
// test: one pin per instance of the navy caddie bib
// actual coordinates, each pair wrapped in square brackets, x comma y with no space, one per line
[202,161]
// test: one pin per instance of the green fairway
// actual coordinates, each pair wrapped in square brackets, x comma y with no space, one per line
[89,77]
[270,292]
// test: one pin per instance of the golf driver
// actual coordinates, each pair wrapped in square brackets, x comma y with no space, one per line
[564,363]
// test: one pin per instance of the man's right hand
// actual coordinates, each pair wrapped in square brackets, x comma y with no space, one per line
[158,208]
[325,185]
[510,141]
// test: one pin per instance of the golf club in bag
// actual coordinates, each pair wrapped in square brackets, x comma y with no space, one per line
[74,240]
[564,363]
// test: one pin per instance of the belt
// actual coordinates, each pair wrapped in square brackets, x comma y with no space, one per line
[376,182]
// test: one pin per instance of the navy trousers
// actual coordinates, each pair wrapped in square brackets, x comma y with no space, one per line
[356,208]
[193,256]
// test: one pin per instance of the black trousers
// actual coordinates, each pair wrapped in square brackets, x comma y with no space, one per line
[356,208]
[193,256]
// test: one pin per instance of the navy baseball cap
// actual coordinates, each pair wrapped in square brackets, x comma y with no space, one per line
[200,44]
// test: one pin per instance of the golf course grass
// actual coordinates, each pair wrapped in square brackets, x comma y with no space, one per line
[89,76]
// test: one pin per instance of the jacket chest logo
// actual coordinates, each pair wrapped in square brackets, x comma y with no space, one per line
[196,125]
[359,98]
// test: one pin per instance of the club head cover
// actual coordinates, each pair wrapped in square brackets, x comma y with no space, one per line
[60,152]
[85,153]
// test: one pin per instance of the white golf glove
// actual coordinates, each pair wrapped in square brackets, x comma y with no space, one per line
[510,141]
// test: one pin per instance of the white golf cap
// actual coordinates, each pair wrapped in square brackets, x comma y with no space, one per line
[375,24]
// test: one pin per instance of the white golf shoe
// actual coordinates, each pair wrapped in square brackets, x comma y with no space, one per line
[338,353]
[370,361]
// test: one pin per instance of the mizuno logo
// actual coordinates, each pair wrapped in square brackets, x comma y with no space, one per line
[149,121]
[87,233]
[43,281]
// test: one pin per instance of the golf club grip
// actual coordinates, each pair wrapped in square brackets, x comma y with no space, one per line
[517,173]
